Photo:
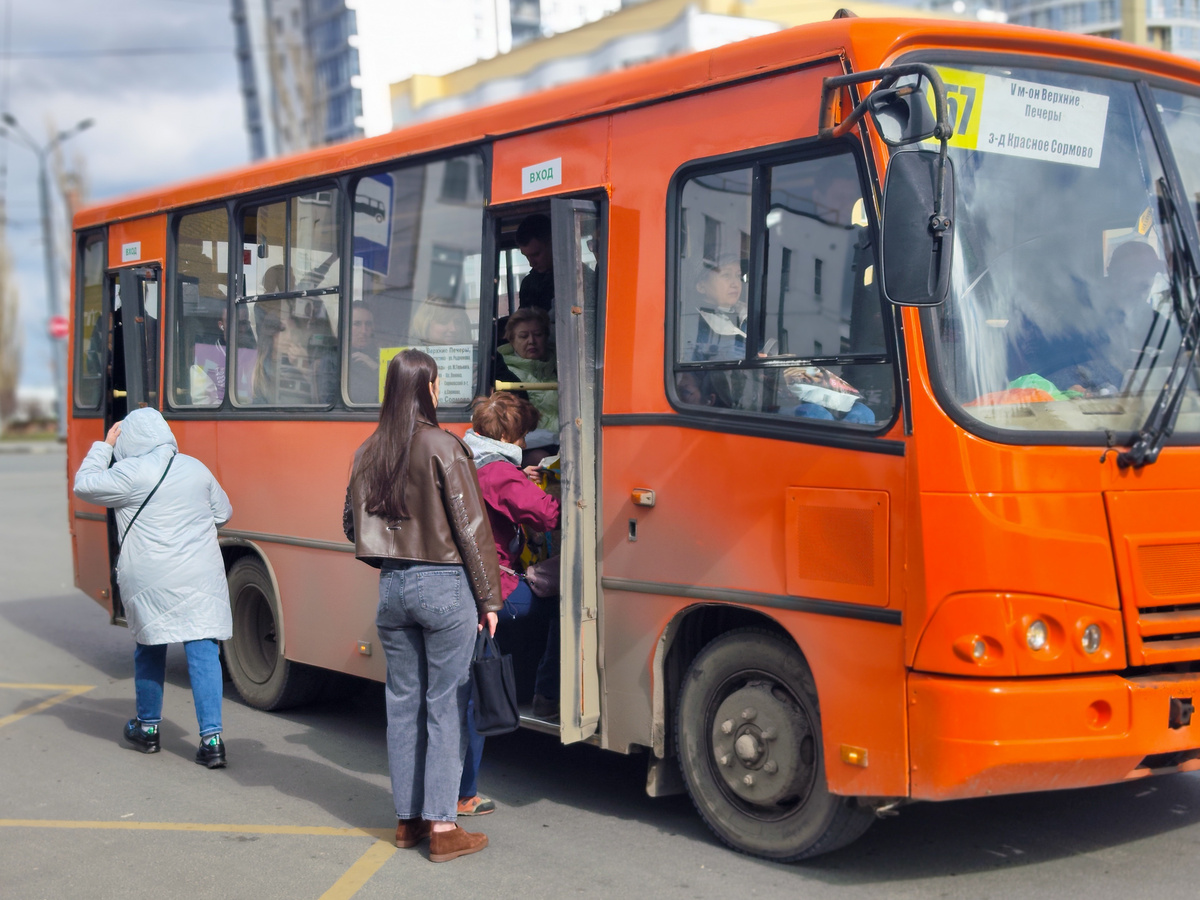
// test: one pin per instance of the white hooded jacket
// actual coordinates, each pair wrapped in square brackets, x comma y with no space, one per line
[170,570]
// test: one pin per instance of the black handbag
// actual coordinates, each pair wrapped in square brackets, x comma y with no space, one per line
[493,688]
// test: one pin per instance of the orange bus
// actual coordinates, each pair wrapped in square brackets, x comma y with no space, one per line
[878,412]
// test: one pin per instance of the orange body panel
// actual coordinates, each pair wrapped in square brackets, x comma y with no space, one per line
[137,241]
[582,146]
[968,538]
[975,737]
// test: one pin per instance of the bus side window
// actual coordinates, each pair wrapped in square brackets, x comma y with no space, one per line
[292,274]
[93,336]
[199,368]
[416,276]
[774,337]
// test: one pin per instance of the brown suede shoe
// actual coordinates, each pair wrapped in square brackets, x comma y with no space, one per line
[447,845]
[411,832]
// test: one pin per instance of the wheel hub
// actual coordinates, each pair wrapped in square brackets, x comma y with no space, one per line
[763,745]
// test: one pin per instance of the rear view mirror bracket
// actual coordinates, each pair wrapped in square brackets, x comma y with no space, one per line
[904,109]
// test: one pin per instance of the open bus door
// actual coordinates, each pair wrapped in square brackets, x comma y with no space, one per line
[132,321]
[578,256]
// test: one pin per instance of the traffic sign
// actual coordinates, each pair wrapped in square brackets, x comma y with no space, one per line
[58,327]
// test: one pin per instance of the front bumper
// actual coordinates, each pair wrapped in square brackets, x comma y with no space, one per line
[974,737]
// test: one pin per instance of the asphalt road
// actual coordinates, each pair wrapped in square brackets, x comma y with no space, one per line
[299,811]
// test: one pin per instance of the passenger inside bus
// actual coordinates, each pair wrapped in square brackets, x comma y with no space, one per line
[700,388]
[499,426]
[208,370]
[297,350]
[1064,359]
[439,322]
[526,356]
[533,240]
[364,355]
[721,331]
[823,395]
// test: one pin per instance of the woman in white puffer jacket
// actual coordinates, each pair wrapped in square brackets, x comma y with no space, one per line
[170,570]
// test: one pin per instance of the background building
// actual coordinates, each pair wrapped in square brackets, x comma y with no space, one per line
[317,72]
[1169,25]
[637,33]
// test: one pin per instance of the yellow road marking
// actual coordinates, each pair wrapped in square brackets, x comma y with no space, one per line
[360,873]
[68,691]
[343,889]
[382,834]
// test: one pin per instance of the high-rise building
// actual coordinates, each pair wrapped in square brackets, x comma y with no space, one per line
[298,64]
[316,72]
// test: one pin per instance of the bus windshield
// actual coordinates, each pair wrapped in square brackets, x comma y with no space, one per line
[1061,316]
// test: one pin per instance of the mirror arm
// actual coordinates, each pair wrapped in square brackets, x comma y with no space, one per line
[886,78]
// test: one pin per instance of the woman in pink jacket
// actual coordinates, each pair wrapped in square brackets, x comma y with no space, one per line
[497,439]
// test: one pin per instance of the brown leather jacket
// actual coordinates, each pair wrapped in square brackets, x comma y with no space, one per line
[448,521]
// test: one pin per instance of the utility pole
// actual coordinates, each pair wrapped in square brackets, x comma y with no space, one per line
[53,300]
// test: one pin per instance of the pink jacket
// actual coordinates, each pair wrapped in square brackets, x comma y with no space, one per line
[511,500]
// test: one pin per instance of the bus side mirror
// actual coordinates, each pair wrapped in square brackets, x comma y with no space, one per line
[917,240]
[902,114]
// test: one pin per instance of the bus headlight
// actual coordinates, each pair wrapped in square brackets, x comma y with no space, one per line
[1090,640]
[1036,635]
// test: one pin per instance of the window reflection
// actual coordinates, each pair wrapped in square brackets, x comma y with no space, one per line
[1059,317]
[417,251]
[287,346]
[801,335]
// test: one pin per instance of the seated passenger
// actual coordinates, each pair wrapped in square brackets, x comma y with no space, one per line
[499,425]
[1090,354]
[702,389]
[364,355]
[439,321]
[721,332]
[824,395]
[526,356]
[297,353]
[207,375]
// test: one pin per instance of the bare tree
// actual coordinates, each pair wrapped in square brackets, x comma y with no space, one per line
[11,338]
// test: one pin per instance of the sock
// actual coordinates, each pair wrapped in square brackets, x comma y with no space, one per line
[212,740]
[148,729]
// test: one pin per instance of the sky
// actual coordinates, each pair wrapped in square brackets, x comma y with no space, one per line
[159,78]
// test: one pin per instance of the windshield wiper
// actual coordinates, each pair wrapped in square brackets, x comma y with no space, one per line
[1185,288]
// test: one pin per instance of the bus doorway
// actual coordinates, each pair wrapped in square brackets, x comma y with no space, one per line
[131,364]
[560,271]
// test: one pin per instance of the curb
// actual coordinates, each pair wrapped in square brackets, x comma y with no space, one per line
[31,447]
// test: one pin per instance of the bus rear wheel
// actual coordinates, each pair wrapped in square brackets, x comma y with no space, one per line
[254,655]
[749,742]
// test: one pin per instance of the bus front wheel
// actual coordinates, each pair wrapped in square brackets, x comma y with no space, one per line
[254,656]
[749,742]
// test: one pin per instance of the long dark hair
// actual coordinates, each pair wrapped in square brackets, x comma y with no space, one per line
[383,466]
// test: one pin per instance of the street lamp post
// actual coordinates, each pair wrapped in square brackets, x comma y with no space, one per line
[53,300]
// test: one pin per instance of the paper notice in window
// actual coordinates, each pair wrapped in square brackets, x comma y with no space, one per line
[721,325]
[1024,118]
[456,369]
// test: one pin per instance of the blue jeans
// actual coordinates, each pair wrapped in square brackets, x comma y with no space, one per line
[427,624]
[520,603]
[204,672]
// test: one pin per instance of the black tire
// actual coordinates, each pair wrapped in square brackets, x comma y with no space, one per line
[748,710]
[253,655]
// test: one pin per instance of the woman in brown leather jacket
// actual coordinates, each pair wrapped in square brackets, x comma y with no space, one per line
[414,510]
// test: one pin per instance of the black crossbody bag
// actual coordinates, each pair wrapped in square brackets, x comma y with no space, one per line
[121,543]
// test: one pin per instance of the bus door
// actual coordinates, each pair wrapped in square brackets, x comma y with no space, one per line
[132,364]
[578,257]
